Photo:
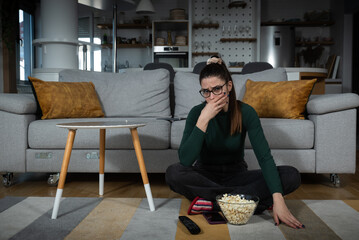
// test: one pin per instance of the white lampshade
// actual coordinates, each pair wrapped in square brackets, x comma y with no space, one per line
[145,7]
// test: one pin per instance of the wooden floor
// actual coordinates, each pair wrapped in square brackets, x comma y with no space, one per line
[314,186]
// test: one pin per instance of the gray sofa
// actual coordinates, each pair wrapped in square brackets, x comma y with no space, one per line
[323,143]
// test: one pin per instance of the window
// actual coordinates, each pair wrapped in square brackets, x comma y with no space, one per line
[25,44]
[89,56]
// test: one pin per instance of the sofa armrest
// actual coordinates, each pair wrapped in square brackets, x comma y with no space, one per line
[335,141]
[321,104]
[18,103]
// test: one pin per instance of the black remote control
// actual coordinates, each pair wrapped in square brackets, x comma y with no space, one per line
[190,225]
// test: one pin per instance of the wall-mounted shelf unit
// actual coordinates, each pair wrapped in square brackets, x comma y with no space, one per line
[300,24]
[204,53]
[125,26]
[238,39]
[210,25]
[127,45]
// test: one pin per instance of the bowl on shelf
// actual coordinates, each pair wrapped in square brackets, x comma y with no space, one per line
[237,208]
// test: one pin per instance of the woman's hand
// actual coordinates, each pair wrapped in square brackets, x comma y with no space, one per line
[282,213]
[213,107]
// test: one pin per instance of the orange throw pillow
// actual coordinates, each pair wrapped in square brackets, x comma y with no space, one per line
[67,99]
[285,99]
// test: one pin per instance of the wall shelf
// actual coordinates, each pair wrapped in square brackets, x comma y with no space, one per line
[210,25]
[303,44]
[204,53]
[300,24]
[236,4]
[121,45]
[125,26]
[238,39]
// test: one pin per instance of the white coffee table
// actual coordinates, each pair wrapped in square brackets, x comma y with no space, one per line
[102,126]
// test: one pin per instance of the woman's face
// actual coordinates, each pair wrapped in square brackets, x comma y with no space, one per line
[211,83]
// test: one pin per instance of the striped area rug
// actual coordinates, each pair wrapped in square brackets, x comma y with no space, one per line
[130,218]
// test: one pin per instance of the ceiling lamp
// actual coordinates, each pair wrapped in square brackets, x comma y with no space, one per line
[145,7]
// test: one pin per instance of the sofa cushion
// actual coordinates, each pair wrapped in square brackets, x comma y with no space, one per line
[280,133]
[287,133]
[43,134]
[177,128]
[186,87]
[66,99]
[286,99]
[130,94]
[271,75]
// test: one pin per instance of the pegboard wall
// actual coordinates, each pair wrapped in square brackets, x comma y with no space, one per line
[234,22]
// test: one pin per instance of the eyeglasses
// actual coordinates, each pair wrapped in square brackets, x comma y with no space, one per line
[216,91]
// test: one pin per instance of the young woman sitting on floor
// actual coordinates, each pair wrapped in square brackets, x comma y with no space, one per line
[211,152]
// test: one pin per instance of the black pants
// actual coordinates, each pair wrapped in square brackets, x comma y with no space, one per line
[209,181]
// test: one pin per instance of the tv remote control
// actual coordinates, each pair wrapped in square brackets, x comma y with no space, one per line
[190,225]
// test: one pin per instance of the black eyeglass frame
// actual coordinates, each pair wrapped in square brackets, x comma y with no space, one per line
[211,91]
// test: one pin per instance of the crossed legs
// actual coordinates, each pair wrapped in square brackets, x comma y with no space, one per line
[197,181]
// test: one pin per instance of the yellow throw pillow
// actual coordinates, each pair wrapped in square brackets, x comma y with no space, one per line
[285,99]
[67,99]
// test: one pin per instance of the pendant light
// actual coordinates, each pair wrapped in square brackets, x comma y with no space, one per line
[145,7]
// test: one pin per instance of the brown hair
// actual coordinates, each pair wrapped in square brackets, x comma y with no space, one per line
[220,70]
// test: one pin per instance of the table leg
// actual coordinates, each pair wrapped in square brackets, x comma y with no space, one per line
[141,163]
[63,173]
[102,161]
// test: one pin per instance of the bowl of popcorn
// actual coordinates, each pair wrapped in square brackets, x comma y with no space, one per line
[237,208]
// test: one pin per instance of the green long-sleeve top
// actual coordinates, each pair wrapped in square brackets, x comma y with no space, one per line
[217,147]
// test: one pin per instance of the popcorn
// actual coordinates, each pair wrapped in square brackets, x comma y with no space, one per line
[236,208]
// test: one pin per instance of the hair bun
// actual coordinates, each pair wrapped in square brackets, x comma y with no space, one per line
[214,59]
